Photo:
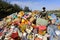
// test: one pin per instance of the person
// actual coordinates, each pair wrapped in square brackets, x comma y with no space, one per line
[51,29]
[44,12]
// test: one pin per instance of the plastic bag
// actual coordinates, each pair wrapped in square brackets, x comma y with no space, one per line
[14,35]
[41,21]
[57,32]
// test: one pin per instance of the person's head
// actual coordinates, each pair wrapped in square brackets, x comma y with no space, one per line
[53,21]
[43,8]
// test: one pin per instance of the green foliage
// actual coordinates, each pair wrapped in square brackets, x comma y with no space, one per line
[26,9]
[7,9]
[58,15]
[17,8]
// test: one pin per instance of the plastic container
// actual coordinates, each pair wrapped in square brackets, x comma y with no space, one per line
[42,30]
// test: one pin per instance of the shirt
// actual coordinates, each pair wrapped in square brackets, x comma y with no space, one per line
[51,29]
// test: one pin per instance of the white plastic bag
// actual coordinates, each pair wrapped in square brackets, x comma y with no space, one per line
[57,32]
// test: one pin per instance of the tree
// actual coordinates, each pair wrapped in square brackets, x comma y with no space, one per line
[17,8]
[26,9]
[7,8]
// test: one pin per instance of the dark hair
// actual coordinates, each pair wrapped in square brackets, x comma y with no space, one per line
[43,8]
[50,22]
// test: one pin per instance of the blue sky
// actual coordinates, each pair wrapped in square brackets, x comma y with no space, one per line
[37,4]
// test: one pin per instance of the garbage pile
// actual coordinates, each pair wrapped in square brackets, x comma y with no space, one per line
[29,26]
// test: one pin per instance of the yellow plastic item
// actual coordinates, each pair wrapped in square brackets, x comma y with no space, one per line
[49,16]
[26,21]
[21,24]
[23,20]
[8,20]
[23,27]
[21,14]
[42,32]
[59,27]
[33,24]
[30,36]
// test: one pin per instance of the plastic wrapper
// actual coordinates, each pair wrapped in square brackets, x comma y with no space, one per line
[19,33]
[23,27]
[14,35]
[57,32]
[32,19]
[14,15]
[28,30]
[41,21]
[37,38]
[42,30]
[29,36]
[8,20]
[20,14]
[59,27]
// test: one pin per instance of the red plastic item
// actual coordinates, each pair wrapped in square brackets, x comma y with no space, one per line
[1,33]
[35,27]
[37,39]
[16,23]
[42,28]
[14,35]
